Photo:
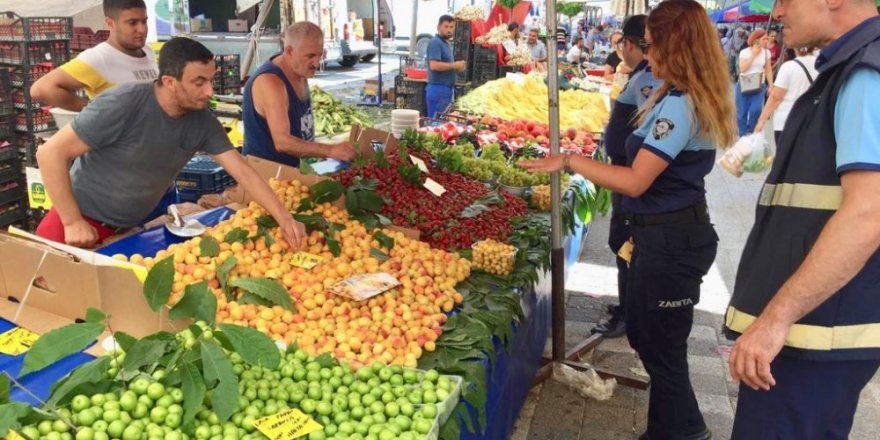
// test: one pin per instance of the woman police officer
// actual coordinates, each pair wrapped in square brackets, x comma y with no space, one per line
[668,157]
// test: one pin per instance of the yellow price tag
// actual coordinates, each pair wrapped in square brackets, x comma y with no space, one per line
[17,341]
[626,251]
[287,425]
[305,260]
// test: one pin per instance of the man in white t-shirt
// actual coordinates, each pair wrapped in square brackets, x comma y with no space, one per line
[124,57]
[578,52]
[793,79]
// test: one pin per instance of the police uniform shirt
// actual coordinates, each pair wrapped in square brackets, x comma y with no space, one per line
[621,123]
[857,132]
[670,132]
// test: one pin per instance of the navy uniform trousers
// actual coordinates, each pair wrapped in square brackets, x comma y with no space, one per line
[667,268]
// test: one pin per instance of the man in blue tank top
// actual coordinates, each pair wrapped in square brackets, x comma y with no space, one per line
[277,109]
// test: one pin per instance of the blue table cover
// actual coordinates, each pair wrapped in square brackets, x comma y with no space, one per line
[39,383]
[151,241]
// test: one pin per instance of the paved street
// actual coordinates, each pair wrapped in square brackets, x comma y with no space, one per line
[351,79]
[592,285]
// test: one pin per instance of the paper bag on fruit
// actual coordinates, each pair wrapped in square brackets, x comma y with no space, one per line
[361,287]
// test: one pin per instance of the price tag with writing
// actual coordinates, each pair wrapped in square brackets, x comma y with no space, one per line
[17,341]
[419,163]
[434,187]
[305,260]
[287,425]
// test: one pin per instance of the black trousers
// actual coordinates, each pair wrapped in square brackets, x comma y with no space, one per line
[618,234]
[812,400]
[668,265]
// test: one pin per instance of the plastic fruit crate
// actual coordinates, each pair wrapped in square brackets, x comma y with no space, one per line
[10,169]
[16,28]
[33,121]
[201,176]
[7,132]
[25,76]
[12,190]
[28,54]
[13,213]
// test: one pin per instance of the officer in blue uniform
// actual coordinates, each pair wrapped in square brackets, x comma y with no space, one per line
[441,68]
[621,124]
[806,305]
[664,200]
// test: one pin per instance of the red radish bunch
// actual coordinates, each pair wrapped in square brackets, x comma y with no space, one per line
[438,218]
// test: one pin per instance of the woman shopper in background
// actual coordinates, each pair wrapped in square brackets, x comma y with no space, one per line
[755,72]
[613,61]
[663,184]
[793,80]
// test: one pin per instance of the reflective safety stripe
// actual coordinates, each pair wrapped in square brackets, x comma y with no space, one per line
[801,195]
[815,337]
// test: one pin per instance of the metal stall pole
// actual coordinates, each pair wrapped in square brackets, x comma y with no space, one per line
[570,357]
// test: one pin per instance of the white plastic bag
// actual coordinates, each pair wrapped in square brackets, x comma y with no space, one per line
[751,154]
[586,383]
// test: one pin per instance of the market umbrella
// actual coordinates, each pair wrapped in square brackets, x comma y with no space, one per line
[744,13]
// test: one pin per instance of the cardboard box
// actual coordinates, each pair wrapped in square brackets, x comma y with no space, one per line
[201,25]
[369,31]
[238,26]
[65,281]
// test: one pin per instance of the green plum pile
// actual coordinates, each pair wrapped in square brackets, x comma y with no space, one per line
[376,402]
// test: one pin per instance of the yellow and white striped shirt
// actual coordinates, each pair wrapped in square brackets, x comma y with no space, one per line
[103,66]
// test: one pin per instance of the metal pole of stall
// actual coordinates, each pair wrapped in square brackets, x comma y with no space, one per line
[413,31]
[557,255]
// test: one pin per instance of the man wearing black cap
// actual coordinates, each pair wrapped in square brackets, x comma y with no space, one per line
[621,124]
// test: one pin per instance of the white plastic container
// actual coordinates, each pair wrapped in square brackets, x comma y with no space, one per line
[62,117]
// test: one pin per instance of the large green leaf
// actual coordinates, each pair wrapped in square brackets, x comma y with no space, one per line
[384,240]
[198,302]
[145,352]
[266,288]
[124,340]
[157,286]
[59,343]
[221,379]
[209,247]
[254,347]
[10,415]
[95,315]
[91,372]
[223,275]
[4,388]
[193,386]
[236,235]
[326,191]
[267,221]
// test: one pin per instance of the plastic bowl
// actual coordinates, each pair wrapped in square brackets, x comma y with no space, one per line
[62,117]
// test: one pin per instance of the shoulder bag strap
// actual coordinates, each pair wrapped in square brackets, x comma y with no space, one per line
[807,72]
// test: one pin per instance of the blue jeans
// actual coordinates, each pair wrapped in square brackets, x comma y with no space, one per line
[748,109]
[438,97]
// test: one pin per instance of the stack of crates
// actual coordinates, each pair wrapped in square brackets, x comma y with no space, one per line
[31,47]
[13,194]
[410,94]
[227,79]
[201,176]
[463,49]
[485,65]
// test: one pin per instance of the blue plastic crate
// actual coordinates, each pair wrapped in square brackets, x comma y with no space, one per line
[201,176]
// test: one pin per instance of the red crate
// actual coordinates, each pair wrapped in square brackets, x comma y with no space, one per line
[29,54]
[41,120]
[16,28]
[23,76]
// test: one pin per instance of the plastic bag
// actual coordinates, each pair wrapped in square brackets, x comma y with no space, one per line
[586,383]
[751,154]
